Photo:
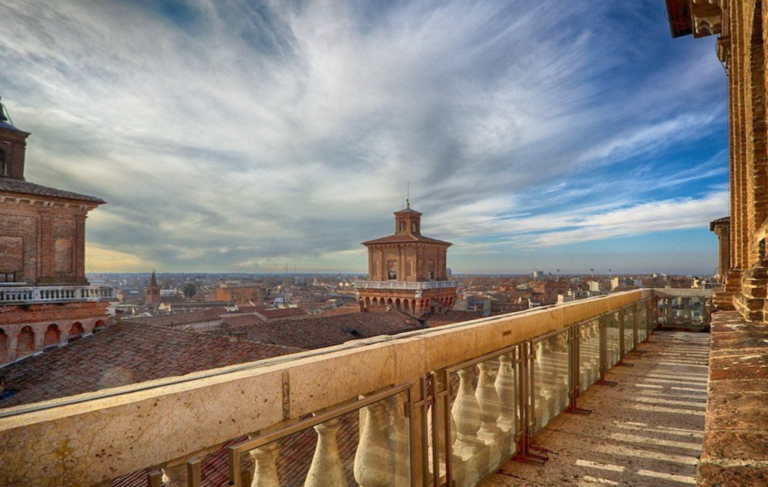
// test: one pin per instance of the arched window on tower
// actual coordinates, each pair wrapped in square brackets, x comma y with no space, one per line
[402,226]
[3,163]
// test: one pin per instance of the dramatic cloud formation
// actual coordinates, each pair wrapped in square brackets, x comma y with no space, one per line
[243,135]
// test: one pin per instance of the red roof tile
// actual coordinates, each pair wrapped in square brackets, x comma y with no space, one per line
[125,354]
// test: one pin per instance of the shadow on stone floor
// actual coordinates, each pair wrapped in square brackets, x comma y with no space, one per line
[646,431]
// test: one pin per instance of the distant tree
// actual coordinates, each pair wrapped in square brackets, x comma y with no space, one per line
[190,290]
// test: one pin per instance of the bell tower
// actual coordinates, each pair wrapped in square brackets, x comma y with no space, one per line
[408,221]
[407,270]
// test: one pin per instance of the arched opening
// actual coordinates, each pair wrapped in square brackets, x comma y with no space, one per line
[389,302]
[397,303]
[52,336]
[25,343]
[407,305]
[76,331]
[100,324]
[3,347]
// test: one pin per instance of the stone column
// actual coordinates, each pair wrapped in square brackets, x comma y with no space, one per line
[326,468]
[265,466]
[687,309]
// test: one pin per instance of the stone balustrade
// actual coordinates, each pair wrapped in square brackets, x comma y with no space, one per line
[369,394]
[415,286]
[22,295]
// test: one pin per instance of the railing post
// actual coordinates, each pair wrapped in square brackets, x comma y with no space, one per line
[265,469]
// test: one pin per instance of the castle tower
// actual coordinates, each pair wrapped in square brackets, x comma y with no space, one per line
[407,270]
[45,297]
[153,291]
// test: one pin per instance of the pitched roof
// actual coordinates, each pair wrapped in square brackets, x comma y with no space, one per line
[176,319]
[310,333]
[124,354]
[726,220]
[406,238]
[23,187]
[280,313]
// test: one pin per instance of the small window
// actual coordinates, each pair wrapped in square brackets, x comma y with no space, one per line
[7,277]
[414,228]
[402,226]
[3,163]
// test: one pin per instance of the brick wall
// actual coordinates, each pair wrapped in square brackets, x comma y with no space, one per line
[43,242]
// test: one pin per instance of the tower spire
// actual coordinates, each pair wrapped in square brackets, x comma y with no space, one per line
[408,194]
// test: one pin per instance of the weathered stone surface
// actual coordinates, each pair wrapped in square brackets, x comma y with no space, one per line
[736,444]
[717,476]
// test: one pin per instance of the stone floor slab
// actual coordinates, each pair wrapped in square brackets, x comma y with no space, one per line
[646,431]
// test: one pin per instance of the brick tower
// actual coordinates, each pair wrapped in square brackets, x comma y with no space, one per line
[407,270]
[153,291]
[45,298]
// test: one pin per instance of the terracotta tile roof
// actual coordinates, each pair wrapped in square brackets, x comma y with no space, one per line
[406,238]
[726,220]
[453,316]
[125,354]
[280,313]
[176,319]
[23,187]
[310,333]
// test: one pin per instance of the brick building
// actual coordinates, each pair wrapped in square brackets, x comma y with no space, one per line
[407,270]
[742,30]
[45,298]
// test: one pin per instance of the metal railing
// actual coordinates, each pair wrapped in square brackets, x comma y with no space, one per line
[453,427]
[54,294]
[416,286]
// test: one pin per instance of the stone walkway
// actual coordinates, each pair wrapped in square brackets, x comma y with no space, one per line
[646,431]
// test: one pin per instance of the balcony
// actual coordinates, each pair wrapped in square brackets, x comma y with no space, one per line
[443,406]
[54,294]
[408,286]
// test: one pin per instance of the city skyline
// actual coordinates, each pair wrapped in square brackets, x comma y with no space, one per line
[239,140]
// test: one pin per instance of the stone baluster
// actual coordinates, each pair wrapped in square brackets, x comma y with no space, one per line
[468,456]
[375,458]
[265,466]
[326,468]
[544,405]
[505,389]
[490,410]
[175,475]
[399,439]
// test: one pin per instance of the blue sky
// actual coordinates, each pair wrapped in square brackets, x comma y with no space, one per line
[242,135]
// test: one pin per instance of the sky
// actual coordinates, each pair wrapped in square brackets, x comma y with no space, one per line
[244,136]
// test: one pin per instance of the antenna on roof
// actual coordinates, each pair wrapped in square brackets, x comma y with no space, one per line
[408,193]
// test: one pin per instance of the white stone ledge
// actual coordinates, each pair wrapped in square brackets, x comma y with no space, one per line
[90,442]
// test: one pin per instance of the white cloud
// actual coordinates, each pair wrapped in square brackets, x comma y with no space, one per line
[260,132]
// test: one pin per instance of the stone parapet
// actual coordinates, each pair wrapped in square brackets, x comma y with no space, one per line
[736,442]
[93,438]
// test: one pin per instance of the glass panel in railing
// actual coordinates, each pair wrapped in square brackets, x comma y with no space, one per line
[369,446]
[642,323]
[483,419]
[589,354]
[613,338]
[629,329]
[551,372]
